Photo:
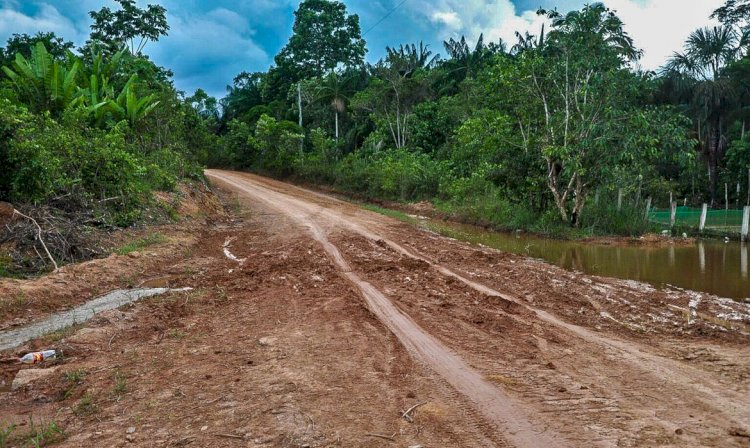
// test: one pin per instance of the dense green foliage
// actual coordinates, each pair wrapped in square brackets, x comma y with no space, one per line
[543,134]
[95,133]
[517,136]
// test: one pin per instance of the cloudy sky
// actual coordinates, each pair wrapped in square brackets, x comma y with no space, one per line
[212,40]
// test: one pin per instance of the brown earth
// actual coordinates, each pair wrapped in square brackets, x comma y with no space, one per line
[332,321]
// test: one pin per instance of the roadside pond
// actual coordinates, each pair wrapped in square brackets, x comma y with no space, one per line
[710,266]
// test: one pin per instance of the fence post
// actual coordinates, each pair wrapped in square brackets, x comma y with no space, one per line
[726,197]
[648,206]
[619,199]
[738,194]
[673,214]
[745,222]
[704,212]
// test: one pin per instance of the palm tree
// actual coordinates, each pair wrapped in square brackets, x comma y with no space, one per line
[409,58]
[334,89]
[465,62]
[699,74]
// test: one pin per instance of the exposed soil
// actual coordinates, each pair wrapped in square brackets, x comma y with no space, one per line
[315,323]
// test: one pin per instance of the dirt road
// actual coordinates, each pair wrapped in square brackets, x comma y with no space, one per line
[515,419]
[317,323]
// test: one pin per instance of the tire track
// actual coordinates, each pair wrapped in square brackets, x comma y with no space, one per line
[496,406]
[733,406]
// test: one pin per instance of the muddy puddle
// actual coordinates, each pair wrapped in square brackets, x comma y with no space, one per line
[714,267]
[13,338]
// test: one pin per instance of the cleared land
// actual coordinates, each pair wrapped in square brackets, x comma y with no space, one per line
[315,323]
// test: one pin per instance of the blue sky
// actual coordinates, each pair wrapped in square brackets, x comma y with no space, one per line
[211,41]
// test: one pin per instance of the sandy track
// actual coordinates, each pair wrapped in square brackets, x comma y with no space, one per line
[675,391]
[489,400]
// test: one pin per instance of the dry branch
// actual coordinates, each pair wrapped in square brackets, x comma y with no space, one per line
[39,236]
[229,436]
[406,415]
[382,436]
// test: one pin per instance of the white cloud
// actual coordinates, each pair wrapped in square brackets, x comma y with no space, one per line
[448,18]
[494,18]
[660,27]
[47,18]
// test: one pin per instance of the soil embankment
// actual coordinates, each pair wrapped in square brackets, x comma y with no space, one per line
[313,322]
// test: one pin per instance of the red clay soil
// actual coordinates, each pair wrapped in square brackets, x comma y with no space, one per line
[336,320]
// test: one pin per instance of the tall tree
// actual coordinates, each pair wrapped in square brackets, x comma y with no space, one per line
[700,73]
[463,61]
[324,37]
[569,96]
[129,26]
[334,90]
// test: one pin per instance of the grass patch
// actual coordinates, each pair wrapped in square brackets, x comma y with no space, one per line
[13,303]
[120,386]
[140,244]
[401,216]
[85,406]
[7,267]
[37,435]
[59,335]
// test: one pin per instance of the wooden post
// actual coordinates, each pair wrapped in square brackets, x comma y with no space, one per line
[619,199]
[704,212]
[726,197]
[648,206]
[738,195]
[745,222]
[673,214]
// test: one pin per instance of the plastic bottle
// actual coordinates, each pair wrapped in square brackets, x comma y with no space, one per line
[37,357]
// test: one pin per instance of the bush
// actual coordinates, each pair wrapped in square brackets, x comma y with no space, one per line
[606,219]
[79,167]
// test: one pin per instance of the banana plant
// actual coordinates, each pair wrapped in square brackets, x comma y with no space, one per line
[43,83]
[128,106]
[104,103]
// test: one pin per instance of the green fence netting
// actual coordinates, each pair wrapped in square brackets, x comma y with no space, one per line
[690,216]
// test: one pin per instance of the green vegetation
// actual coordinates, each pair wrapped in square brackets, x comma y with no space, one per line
[36,435]
[89,133]
[85,406]
[540,134]
[142,243]
[120,386]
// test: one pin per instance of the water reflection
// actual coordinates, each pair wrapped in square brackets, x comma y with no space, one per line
[709,266]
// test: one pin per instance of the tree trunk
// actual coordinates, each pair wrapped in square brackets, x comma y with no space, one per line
[580,201]
[337,124]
